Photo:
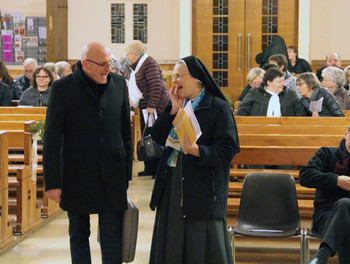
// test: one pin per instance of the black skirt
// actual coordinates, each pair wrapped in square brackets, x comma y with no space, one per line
[177,240]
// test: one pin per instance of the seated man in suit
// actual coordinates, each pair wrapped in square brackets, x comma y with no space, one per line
[329,172]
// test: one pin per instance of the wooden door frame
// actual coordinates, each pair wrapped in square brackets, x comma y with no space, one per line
[57,30]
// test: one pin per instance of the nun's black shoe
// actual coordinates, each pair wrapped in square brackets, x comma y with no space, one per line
[314,261]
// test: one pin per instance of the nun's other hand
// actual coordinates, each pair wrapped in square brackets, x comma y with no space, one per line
[190,148]
[176,100]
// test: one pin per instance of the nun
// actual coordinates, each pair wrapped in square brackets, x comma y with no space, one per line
[190,191]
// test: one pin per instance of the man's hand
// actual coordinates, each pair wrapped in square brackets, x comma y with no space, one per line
[344,182]
[54,194]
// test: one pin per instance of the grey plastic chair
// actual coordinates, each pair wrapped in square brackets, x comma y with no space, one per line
[269,208]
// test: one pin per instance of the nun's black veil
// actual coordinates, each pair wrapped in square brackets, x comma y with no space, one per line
[198,70]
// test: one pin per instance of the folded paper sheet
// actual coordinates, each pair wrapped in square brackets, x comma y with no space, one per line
[316,106]
[186,123]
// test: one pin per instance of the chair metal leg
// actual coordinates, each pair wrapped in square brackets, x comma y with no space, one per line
[232,242]
[306,246]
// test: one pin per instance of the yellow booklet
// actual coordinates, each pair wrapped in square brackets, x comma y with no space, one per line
[184,126]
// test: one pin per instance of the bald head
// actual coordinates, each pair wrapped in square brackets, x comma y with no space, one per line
[95,60]
[94,50]
[334,60]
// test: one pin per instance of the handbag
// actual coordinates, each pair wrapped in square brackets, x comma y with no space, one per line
[129,236]
[147,148]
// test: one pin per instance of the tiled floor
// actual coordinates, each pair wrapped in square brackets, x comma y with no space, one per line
[50,243]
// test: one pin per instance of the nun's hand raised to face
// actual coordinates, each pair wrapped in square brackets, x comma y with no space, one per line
[176,100]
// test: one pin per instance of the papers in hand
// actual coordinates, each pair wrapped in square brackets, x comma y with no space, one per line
[316,106]
[186,123]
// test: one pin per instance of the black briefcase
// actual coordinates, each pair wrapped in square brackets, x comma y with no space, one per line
[130,228]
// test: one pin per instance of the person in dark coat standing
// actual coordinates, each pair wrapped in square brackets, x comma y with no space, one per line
[190,190]
[5,95]
[87,154]
[329,172]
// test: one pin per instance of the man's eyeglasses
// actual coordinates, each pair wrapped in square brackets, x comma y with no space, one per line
[110,64]
[177,76]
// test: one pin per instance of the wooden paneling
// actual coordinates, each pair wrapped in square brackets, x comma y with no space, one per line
[245,36]
[57,30]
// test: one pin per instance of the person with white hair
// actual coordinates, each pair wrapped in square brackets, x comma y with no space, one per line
[147,90]
[53,68]
[63,68]
[23,82]
[333,79]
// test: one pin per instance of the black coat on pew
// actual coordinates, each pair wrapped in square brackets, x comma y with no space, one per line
[85,155]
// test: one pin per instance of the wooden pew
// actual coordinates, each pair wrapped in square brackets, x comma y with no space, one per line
[292,120]
[6,234]
[305,207]
[22,110]
[291,129]
[23,202]
[235,189]
[22,117]
[289,141]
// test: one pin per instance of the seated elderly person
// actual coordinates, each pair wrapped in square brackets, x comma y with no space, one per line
[52,67]
[5,95]
[63,68]
[333,79]
[272,98]
[22,82]
[334,60]
[329,172]
[289,80]
[38,94]
[255,77]
[311,91]
[347,77]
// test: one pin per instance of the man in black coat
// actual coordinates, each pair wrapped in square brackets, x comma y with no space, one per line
[329,172]
[87,152]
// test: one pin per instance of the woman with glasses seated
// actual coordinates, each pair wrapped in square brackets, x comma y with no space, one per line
[255,77]
[316,100]
[38,94]
[272,98]
[147,89]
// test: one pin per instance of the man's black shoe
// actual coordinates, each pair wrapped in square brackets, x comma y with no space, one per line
[144,173]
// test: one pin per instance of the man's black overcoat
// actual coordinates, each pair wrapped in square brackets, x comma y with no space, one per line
[87,143]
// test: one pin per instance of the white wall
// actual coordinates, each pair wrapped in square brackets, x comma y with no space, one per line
[329,28]
[28,7]
[304,30]
[89,20]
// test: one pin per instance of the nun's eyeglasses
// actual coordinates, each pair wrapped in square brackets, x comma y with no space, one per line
[177,76]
